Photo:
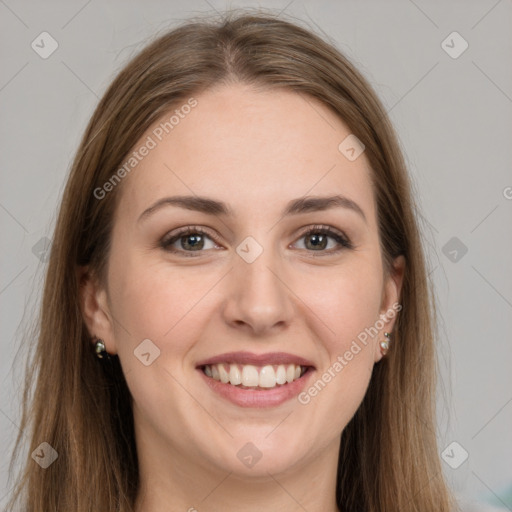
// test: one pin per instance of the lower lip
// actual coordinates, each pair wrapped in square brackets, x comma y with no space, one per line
[258,398]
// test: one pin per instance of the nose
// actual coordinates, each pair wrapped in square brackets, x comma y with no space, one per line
[259,299]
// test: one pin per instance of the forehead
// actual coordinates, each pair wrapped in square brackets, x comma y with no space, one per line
[251,149]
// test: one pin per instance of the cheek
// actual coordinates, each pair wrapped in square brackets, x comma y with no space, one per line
[347,301]
[150,300]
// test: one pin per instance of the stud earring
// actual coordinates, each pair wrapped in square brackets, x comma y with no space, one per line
[100,350]
[384,345]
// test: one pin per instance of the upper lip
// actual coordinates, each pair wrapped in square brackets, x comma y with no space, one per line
[270,358]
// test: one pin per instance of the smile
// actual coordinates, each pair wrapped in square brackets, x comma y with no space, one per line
[256,380]
[255,377]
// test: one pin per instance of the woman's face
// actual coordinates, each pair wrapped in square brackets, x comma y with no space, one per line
[258,287]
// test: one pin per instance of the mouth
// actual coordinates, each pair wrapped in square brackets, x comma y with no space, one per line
[249,376]
[251,380]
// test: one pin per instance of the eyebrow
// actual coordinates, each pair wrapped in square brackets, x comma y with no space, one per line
[295,207]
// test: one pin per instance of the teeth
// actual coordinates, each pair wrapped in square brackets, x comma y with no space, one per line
[224,375]
[235,377]
[290,373]
[251,376]
[281,374]
[267,377]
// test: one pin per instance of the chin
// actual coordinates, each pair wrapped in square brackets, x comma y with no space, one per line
[257,454]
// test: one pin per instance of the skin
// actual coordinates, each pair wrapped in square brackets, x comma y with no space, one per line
[255,151]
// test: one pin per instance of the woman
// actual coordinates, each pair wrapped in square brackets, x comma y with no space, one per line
[236,313]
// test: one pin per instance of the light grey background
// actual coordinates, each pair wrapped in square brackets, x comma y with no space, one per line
[454,119]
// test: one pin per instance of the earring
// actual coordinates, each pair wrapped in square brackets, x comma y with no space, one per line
[100,350]
[384,345]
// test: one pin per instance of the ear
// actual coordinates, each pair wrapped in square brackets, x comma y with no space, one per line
[390,302]
[95,309]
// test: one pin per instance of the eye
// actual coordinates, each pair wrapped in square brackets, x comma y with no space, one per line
[188,240]
[194,239]
[319,238]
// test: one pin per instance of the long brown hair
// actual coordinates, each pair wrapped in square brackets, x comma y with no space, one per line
[388,458]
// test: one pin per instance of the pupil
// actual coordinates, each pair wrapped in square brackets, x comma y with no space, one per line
[196,241]
[318,241]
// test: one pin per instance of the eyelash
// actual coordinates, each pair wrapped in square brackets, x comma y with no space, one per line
[341,239]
